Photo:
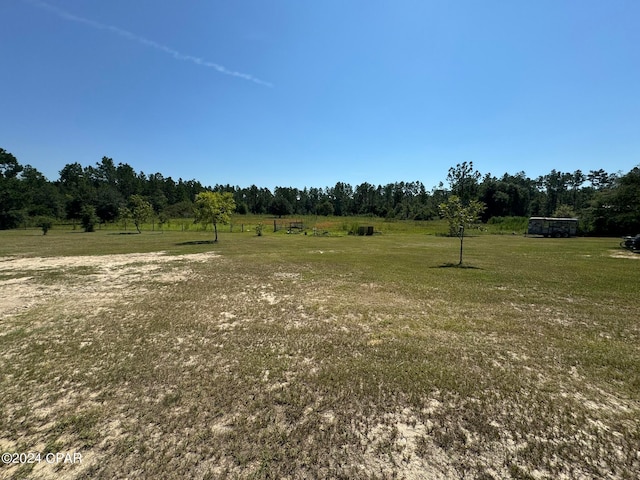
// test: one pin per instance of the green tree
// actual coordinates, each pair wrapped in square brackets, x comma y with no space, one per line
[258,199]
[215,208]
[325,208]
[340,198]
[280,206]
[141,210]
[183,209]
[9,166]
[45,223]
[105,172]
[12,200]
[616,210]
[242,209]
[564,211]
[364,199]
[124,214]
[76,189]
[88,218]
[463,180]
[41,198]
[108,202]
[600,179]
[460,216]
[126,180]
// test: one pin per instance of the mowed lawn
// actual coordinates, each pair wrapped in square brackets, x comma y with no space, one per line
[303,357]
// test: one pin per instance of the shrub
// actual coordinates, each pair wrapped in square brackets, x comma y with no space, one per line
[89,219]
[45,223]
[325,208]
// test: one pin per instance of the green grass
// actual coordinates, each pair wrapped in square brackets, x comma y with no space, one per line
[321,225]
[508,225]
[293,356]
[331,224]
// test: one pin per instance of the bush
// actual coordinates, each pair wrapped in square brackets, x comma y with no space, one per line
[564,211]
[242,209]
[45,223]
[12,219]
[325,208]
[89,219]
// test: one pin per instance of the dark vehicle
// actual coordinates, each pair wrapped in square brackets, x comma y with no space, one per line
[553,227]
[631,243]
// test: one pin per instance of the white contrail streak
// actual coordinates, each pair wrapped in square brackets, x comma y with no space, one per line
[145,41]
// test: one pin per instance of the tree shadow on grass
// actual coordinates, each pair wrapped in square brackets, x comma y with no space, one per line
[457,265]
[198,242]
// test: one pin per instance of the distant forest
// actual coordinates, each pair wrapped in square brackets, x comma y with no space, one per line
[606,203]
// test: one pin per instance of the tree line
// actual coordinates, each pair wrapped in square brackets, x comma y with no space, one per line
[606,203]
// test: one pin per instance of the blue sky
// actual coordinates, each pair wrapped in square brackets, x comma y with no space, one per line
[307,93]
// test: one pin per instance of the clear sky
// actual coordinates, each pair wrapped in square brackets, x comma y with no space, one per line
[307,93]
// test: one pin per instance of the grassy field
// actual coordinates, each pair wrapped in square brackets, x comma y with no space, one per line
[331,356]
[330,225]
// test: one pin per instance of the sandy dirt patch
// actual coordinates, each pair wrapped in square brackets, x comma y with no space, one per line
[624,254]
[25,282]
